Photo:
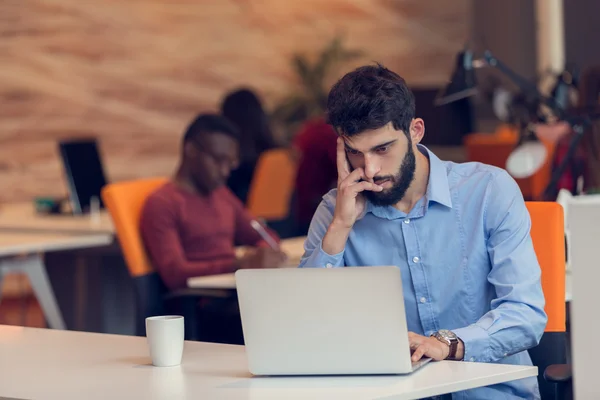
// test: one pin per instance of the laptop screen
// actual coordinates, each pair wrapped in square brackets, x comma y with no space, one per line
[83,171]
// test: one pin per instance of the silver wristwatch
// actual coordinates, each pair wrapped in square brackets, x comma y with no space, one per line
[450,339]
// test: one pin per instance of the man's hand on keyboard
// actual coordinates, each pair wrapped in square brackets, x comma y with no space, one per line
[428,347]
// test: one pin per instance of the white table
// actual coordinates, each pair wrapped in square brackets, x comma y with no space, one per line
[24,216]
[76,365]
[20,252]
[293,247]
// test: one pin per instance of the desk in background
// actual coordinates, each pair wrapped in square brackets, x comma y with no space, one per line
[89,280]
[75,365]
[23,216]
[293,247]
[21,252]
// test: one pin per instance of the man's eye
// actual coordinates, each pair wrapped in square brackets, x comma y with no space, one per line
[351,151]
[383,149]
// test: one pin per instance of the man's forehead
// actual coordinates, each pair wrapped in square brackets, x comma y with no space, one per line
[218,139]
[373,138]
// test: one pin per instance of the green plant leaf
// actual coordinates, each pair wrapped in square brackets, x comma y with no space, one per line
[309,100]
[302,68]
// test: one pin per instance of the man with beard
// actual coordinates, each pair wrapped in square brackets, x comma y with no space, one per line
[460,233]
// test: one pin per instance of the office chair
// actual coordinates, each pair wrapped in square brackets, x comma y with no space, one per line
[547,233]
[124,201]
[272,188]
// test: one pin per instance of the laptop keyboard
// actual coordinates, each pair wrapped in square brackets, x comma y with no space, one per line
[418,364]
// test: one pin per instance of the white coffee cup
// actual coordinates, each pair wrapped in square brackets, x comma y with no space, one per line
[165,336]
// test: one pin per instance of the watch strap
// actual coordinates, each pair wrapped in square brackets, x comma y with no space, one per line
[453,349]
[451,341]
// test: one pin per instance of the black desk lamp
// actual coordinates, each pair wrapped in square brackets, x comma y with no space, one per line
[529,154]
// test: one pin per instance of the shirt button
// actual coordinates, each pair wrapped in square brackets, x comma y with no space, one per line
[472,359]
[415,259]
[407,221]
[423,300]
[329,265]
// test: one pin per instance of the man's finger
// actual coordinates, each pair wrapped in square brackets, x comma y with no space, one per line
[343,168]
[352,178]
[419,352]
[415,340]
[364,185]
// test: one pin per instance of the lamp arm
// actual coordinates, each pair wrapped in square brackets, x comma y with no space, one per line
[579,125]
[522,83]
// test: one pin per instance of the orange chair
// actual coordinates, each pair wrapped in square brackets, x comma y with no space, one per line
[547,233]
[124,201]
[272,185]
[494,149]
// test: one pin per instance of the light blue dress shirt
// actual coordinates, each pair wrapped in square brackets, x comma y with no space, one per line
[467,264]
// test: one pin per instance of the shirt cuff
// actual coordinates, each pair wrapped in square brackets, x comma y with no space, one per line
[321,259]
[476,341]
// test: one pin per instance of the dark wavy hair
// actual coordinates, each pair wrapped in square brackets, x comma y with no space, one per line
[369,98]
[245,110]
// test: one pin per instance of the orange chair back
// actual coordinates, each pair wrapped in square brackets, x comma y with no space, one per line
[494,149]
[272,185]
[125,201]
[547,234]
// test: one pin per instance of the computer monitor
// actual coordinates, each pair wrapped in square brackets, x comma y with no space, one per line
[83,171]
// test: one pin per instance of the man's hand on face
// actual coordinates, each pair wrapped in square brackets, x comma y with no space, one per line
[350,202]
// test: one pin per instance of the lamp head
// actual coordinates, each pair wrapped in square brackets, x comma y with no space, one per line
[526,159]
[462,84]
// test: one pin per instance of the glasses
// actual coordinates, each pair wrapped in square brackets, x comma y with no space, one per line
[218,159]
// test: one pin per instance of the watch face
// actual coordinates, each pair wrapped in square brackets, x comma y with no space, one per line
[448,334]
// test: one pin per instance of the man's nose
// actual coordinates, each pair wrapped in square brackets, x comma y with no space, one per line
[225,171]
[372,167]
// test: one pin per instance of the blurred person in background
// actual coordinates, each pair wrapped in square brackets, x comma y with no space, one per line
[315,149]
[243,108]
[191,225]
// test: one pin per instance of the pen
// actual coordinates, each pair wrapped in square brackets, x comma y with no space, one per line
[264,234]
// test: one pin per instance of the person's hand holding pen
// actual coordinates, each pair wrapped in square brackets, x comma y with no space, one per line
[263,257]
[264,234]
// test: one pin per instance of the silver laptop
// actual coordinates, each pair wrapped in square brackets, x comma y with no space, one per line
[324,321]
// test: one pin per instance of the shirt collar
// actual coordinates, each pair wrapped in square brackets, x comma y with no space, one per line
[438,189]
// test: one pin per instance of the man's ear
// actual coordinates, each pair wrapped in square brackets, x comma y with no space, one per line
[417,130]
[189,150]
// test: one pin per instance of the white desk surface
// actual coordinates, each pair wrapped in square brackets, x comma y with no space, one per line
[293,247]
[51,364]
[24,216]
[17,242]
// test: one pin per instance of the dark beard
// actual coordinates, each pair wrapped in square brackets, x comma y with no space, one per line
[402,181]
